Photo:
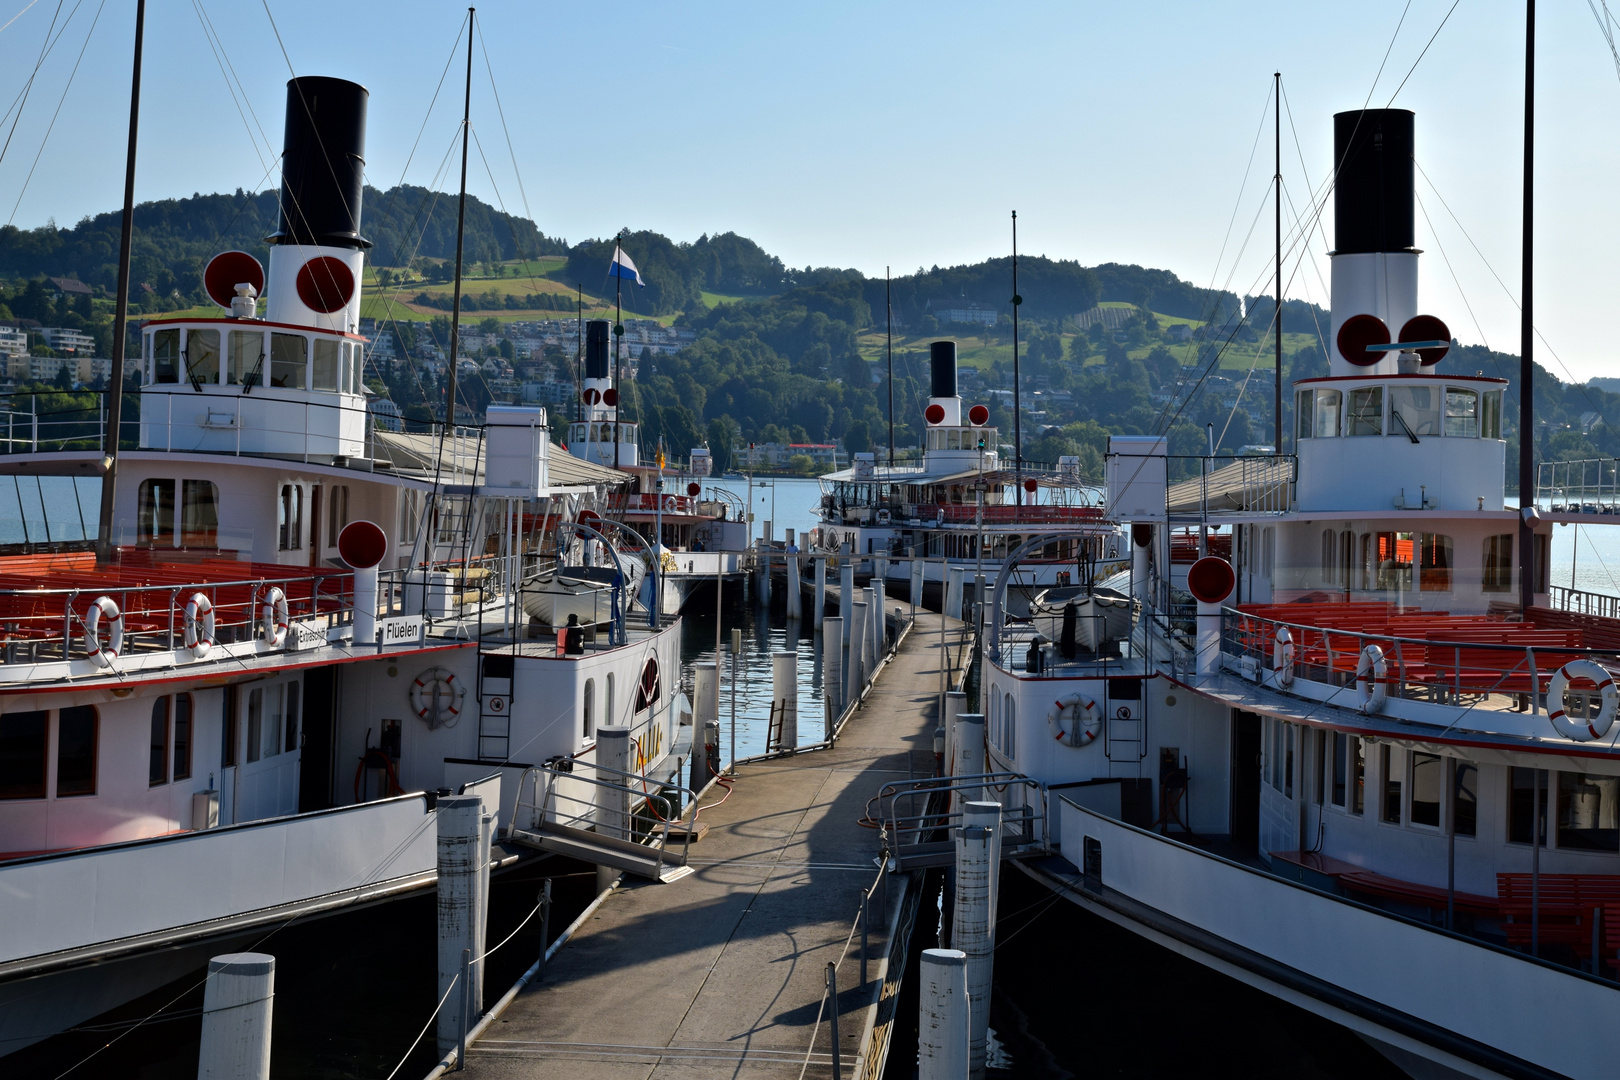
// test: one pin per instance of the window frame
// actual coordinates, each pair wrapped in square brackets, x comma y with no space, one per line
[94,755]
[155,517]
[33,790]
[1414,760]
[194,530]
[294,374]
[159,741]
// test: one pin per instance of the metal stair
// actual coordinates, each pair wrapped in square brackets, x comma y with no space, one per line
[596,820]
[653,863]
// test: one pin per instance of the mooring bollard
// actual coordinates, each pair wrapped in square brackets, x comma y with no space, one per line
[955,705]
[705,709]
[545,926]
[785,689]
[819,614]
[460,861]
[942,1026]
[857,650]
[236,1017]
[846,596]
[832,1002]
[795,597]
[832,671]
[969,747]
[971,933]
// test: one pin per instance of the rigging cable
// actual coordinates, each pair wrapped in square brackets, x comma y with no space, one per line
[20,102]
[59,102]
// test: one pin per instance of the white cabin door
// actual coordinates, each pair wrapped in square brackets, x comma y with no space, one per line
[267,778]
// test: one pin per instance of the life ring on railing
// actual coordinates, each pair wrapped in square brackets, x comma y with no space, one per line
[199,616]
[104,607]
[1282,657]
[273,618]
[1588,729]
[1372,687]
[669,504]
[883,517]
[436,697]
[1086,717]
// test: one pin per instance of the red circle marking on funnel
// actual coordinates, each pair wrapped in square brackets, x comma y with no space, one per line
[325,284]
[934,414]
[1427,328]
[1211,579]
[978,416]
[1031,486]
[362,544]
[1358,332]
[229,269]
[692,490]
[591,395]
[610,396]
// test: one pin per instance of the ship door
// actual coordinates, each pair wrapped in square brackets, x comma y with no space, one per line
[315,740]
[1246,780]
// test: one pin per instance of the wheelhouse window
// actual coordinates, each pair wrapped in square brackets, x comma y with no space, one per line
[1427,776]
[1498,563]
[202,357]
[166,356]
[1318,414]
[1390,804]
[1434,569]
[22,755]
[76,751]
[1366,411]
[290,518]
[328,365]
[244,365]
[157,770]
[1414,410]
[1490,414]
[1462,413]
[1588,812]
[199,513]
[1522,804]
[154,512]
[289,360]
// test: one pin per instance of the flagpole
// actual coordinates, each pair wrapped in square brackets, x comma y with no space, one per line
[461,226]
[618,339]
[1018,429]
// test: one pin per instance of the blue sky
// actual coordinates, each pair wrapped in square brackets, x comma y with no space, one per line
[900,134]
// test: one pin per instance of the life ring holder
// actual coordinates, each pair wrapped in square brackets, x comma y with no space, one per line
[1562,722]
[1087,720]
[1372,686]
[428,692]
[273,618]
[104,607]
[199,625]
[883,517]
[1283,653]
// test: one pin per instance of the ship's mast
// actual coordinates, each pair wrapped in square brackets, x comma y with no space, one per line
[1277,443]
[1018,409]
[461,228]
[1527,432]
[888,306]
[105,542]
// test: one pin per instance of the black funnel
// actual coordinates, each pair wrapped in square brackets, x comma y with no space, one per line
[323,161]
[1372,196]
[596,349]
[942,369]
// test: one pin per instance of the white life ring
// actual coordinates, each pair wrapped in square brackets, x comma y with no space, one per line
[1372,670]
[1282,657]
[1582,730]
[1087,720]
[199,623]
[104,607]
[883,517]
[436,697]
[273,620]
[669,504]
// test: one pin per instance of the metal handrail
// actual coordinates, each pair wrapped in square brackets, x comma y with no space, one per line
[889,798]
[544,806]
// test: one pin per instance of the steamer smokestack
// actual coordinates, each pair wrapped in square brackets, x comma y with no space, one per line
[944,407]
[323,161]
[1373,196]
[596,349]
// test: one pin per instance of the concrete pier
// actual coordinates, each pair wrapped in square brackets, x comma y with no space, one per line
[722,974]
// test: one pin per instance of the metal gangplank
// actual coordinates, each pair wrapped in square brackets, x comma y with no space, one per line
[913,811]
[602,815]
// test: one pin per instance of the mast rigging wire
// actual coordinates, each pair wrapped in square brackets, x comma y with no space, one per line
[59,102]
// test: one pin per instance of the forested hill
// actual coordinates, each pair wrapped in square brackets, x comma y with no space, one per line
[175,238]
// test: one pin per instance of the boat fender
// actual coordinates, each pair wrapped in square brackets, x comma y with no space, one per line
[883,517]
[1582,730]
[1282,657]
[436,697]
[199,625]
[273,619]
[1372,686]
[1085,720]
[104,607]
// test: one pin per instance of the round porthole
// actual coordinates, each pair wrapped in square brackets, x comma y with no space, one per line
[1170,700]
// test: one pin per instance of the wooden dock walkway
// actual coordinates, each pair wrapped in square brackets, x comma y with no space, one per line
[723,973]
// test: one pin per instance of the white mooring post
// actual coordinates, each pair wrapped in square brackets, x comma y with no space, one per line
[880,600]
[918,575]
[832,671]
[955,705]
[795,597]
[857,650]
[236,1017]
[942,1026]
[705,710]
[971,933]
[953,591]
[969,746]
[613,797]
[846,596]
[785,692]
[461,832]
[819,614]
[868,652]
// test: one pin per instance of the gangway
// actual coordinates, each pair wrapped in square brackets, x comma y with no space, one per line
[591,812]
[908,816]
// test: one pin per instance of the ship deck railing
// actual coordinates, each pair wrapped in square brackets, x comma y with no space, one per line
[1585,486]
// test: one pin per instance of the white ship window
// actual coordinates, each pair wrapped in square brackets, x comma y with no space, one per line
[1358,775]
[1347,559]
[180,738]
[1394,561]
[1366,411]
[1428,775]
[255,722]
[157,769]
[76,751]
[166,356]
[1389,804]
[1369,561]
[1318,413]
[1434,570]
[22,755]
[154,512]
[1462,413]
[1498,563]
[328,366]
[1490,415]
[227,717]
[199,513]
[1009,718]
[290,518]
[588,712]
[1288,760]
[1464,797]
[1588,807]
[1304,411]
[244,364]
[410,514]
[607,701]
[202,356]
[291,741]
[271,730]
[1341,769]
[1418,409]
[337,512]
[1522,804]
[289,358]
[1327,555]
